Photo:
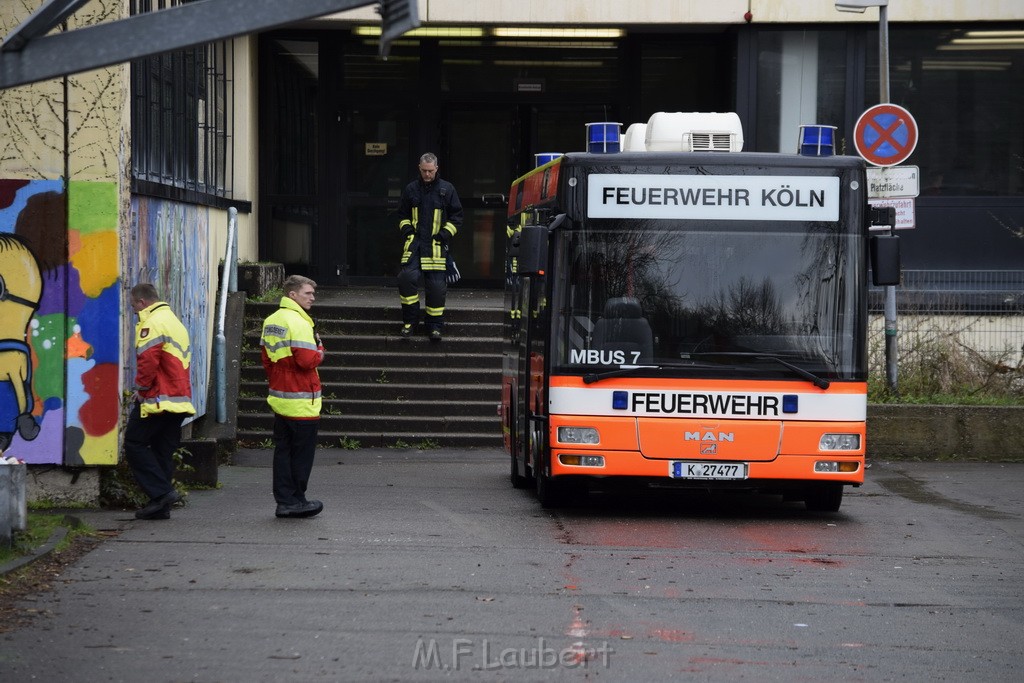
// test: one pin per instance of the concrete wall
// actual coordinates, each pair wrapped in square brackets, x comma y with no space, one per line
[961,433]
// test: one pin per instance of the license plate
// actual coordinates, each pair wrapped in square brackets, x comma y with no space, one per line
[707,470]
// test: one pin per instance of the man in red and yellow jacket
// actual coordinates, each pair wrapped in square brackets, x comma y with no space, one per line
[163,399]
[291,353]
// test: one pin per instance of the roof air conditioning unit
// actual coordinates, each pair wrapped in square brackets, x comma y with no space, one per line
[694,132]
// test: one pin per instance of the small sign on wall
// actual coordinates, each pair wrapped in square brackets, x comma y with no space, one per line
[376,149]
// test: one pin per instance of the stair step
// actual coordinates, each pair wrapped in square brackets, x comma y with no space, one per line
[485,353]
[382,390]
[401,406]
[328,439]
[429,379]
[390,392]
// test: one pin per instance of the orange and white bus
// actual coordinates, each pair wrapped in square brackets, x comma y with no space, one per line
[690,318]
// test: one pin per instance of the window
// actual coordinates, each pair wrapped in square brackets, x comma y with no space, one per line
[965,89]
[801,79]
[181,119]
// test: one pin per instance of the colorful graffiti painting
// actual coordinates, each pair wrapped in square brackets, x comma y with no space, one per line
[171,251]
[61,370]
[20,286]
[73,336]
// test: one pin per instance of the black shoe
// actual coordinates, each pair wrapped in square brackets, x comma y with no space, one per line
[310,508]
[159,505]
[406,331]
[435,335]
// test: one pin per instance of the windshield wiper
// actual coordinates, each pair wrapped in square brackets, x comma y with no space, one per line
[819,382]
[592,377]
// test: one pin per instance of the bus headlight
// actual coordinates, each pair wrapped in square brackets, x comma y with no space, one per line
[839,442]
[586,435]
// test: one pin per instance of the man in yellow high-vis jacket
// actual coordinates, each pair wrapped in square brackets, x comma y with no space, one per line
[162,400]
[291,352]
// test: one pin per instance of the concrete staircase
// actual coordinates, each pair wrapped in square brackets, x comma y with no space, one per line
[383,391]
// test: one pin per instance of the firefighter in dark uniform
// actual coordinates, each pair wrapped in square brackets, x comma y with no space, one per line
[429,215]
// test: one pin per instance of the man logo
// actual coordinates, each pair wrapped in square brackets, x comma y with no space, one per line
[708,448]
[709,436]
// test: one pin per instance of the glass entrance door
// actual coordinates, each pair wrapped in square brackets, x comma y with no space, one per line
[379,161]
[489,146]
[482,145]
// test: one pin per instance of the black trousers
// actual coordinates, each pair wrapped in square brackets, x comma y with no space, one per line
[435,286]
[149,445]
[294,449]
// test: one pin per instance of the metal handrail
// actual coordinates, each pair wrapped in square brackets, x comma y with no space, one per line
[228,283]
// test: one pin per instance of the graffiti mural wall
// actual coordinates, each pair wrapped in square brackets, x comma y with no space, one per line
[59,318]
[171,251]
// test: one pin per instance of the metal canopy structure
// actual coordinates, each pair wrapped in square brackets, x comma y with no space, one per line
[28,54]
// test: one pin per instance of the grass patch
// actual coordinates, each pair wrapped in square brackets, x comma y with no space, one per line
[118,488]
[39,527]
[271,296]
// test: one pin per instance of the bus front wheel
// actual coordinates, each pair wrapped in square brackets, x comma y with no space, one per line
[518,480]
[549,491]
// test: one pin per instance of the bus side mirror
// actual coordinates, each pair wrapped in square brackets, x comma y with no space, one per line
[885,259]
[532,250]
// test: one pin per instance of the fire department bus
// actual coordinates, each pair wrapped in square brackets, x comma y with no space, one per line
[690,318]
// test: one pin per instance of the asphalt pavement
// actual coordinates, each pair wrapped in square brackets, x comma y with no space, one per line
[224,591]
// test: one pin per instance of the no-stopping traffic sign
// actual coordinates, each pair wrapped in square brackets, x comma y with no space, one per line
[885,135]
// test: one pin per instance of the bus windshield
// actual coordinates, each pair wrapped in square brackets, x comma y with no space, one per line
[715,299]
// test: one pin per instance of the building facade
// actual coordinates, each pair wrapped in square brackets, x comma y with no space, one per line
[126,174]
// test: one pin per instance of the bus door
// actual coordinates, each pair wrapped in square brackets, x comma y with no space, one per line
[526,370]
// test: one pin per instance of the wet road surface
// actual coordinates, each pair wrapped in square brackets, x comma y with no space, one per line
[429,566]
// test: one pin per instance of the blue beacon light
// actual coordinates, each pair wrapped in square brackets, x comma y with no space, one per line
[817,141]
[603,137]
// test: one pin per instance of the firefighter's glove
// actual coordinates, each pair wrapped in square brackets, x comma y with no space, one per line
[408,230]
[443,237]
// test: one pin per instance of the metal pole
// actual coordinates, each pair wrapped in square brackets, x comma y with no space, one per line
[890,290]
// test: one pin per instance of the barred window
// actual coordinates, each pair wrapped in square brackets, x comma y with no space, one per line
[182,105]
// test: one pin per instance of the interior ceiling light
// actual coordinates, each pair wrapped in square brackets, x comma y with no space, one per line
[562,63]
[427,31]
[941,65]
[560,44]
[966,44]
[501,32]
[536,32]
[988,41]
[994,34]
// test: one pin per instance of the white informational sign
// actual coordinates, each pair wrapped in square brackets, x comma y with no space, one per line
[748,405]
[905,216]
[894,181]
[718,197]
